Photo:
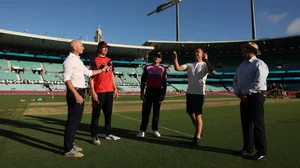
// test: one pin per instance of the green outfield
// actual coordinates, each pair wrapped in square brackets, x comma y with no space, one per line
[32,134]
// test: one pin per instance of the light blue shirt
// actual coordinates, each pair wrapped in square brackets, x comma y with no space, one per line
[251,76]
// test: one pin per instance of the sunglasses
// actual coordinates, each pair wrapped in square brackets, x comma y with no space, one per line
[158,56]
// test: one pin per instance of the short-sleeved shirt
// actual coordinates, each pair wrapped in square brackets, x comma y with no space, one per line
[197,75]
[103,82]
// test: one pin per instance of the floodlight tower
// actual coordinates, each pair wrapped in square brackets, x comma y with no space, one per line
[167,5]
[253,20]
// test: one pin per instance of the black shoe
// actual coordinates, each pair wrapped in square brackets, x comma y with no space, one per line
[244,152]
[258,157]
[196,141]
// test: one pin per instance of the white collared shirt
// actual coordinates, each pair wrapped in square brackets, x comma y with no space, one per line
[251,76]
[75,70]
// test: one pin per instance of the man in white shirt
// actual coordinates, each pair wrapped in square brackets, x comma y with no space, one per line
[74,71]
[195,95]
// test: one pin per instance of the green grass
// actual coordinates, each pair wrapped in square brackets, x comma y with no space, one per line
[36,141]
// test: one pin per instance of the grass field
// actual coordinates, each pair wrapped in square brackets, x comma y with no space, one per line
[32,135]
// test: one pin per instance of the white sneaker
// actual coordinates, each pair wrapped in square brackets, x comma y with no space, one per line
[156,133]
[77,149]
[112,137]
[96,141]
[141,134]
[74,154]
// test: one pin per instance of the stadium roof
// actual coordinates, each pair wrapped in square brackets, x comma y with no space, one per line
[47,43]
[222,47]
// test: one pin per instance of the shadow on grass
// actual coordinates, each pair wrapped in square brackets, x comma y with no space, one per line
[31,141]
[34,139]
[180,141]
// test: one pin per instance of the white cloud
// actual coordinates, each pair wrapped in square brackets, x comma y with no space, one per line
[294,27]
[264,13]
[275,18]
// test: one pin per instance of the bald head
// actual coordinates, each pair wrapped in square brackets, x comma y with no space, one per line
[75,43]
[76,47]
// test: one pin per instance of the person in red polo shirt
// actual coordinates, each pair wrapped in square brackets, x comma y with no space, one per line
[104,90]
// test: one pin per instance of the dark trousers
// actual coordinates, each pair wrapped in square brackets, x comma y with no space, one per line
[105,104]
[75,111]
[151,99]
[252,117]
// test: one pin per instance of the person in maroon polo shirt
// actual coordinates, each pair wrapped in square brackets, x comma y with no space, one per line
[104,90]
[155,78]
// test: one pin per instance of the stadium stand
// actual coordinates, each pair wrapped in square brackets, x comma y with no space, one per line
[127,75]
[5,75]
[25,64]
[30,76]
[53,67]
[3,65]
[42,64]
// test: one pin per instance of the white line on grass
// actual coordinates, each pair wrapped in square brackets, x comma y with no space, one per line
[168,129]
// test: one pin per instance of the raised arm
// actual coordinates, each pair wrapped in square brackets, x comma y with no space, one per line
[210,68]
[176,64]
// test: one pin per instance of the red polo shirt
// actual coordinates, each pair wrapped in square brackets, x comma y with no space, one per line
[103,82]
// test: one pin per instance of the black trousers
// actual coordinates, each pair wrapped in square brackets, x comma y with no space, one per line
[151,99]
[75,111]
[105,104]
[252,117]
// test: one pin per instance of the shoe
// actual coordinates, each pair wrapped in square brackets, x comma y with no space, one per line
[74,154]
[112,137]
[141,134]
[77,149]
[156,133]
[258,157]
[96,140]
[197,141]
[244,152]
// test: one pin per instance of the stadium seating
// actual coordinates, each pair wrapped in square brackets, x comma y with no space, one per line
[23,87]
[58,87]
[139,70]
[51,77]
[25,64]
[53,67]
[180,87]
[215,88]
[3,65]
[30,76]
[118,80]
[126,77]
[8,75]
[129,88]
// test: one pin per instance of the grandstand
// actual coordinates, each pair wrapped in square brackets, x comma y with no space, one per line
[29,62]
[280,54]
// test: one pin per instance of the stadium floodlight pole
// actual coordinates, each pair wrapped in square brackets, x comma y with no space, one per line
[165,6]
[177,23]
[253,20]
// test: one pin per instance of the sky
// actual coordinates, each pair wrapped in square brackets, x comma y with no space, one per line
[126,21]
